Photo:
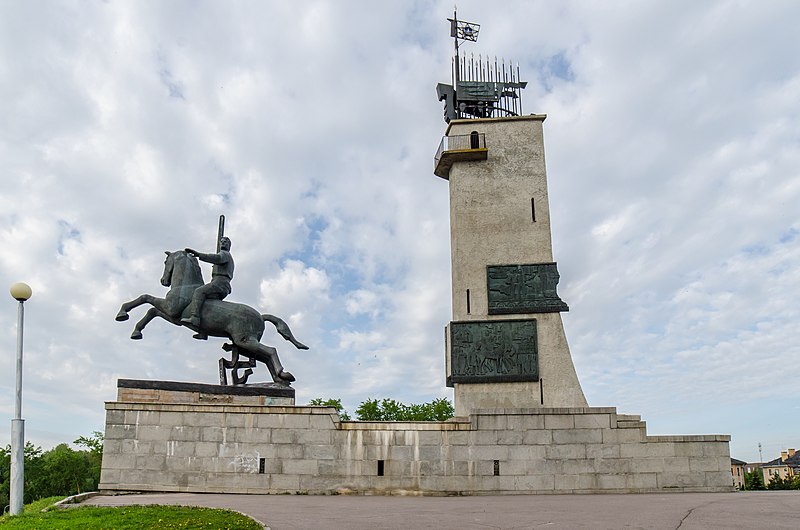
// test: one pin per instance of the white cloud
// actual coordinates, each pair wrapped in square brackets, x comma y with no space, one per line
[298,291]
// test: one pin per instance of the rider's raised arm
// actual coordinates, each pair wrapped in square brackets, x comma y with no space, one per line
[217,259]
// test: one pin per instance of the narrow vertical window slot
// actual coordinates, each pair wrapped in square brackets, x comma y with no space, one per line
[380,468]
[533,210]
[496,468]
[541,391]
[262,465]
[468,308]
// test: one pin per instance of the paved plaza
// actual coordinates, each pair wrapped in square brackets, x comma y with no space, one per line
[685,511]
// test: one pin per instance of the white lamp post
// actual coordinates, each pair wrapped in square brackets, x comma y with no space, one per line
[20,292]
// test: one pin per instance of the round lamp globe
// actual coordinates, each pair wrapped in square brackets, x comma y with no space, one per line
[21,291]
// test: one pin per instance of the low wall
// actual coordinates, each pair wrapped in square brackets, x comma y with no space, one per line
[242,448]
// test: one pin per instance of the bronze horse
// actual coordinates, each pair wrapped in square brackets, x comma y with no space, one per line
[240,323]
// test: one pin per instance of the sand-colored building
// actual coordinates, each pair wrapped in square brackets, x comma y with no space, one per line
[737,471]
[788,465]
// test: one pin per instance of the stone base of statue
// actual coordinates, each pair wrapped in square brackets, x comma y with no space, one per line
[163,436]
[147,391]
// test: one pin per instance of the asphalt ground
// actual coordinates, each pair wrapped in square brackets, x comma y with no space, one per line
[684,511]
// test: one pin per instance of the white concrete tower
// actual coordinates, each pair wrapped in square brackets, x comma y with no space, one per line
[506,346]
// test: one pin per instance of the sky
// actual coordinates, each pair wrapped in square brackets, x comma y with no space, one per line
[672,143]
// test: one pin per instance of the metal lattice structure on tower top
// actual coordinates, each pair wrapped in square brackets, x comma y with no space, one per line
[481,88]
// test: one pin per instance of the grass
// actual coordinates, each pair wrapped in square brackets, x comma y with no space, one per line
[34,507]
[127,517]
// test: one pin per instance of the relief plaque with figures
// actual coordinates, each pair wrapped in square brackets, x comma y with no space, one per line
[493,351]
[515,289]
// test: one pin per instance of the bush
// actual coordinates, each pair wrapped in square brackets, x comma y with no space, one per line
[778,483]
[391,410]
[754,480]
[335,403]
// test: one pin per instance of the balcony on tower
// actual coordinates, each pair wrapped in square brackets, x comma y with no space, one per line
[461,148]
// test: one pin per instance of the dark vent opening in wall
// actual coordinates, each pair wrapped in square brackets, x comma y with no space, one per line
[496,468]
[533,211]
[468,301]
[262,465]
[380,468]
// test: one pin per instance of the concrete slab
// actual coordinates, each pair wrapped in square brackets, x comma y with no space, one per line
[687,511]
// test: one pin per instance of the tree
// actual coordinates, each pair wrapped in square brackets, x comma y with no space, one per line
[335,403]
[754,480]
[778,483]
[94,455]
[64,472]
[59,471]
[32,457]
[391,410]
[93,443]
[369,410]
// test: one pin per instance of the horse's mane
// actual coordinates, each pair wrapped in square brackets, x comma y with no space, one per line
[182,254]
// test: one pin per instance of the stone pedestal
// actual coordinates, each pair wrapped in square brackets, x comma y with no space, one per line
[147,391]
[218,447]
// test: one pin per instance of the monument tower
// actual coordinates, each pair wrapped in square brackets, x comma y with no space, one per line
[505,347]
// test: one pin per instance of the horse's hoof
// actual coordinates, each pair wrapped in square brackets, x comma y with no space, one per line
[136,335]
[122,316]
[286,376]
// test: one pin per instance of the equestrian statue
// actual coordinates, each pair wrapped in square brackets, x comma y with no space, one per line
[201,308]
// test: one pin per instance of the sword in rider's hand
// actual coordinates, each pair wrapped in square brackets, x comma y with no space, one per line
[220,231]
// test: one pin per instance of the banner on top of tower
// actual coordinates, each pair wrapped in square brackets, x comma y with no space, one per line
[480,88]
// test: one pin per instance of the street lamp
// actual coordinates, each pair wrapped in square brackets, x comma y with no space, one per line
[20,292]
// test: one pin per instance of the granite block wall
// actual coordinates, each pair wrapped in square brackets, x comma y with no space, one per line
[236,448]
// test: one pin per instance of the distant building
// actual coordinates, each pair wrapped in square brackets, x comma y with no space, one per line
[752,466]
[788,465]
[738,470]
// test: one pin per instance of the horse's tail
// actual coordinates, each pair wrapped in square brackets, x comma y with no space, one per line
[284,330]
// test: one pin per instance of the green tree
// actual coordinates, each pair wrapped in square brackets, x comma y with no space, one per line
[5,471]
[442,409]
[60,471]
[778,483]
[32,460]
[93,443]
[94,455]
[391,410]
[754,480]
[335,403]
[64,472]
[369,410]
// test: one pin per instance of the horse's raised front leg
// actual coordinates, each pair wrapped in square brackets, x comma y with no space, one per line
[267,355]
[152,313]
[127,306]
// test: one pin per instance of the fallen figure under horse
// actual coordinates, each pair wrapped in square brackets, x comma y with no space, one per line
[240,323]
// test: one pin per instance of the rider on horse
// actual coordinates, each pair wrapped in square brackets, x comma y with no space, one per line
[241,324]
[217,289]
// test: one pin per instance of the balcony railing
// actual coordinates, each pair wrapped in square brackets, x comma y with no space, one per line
[458,148]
